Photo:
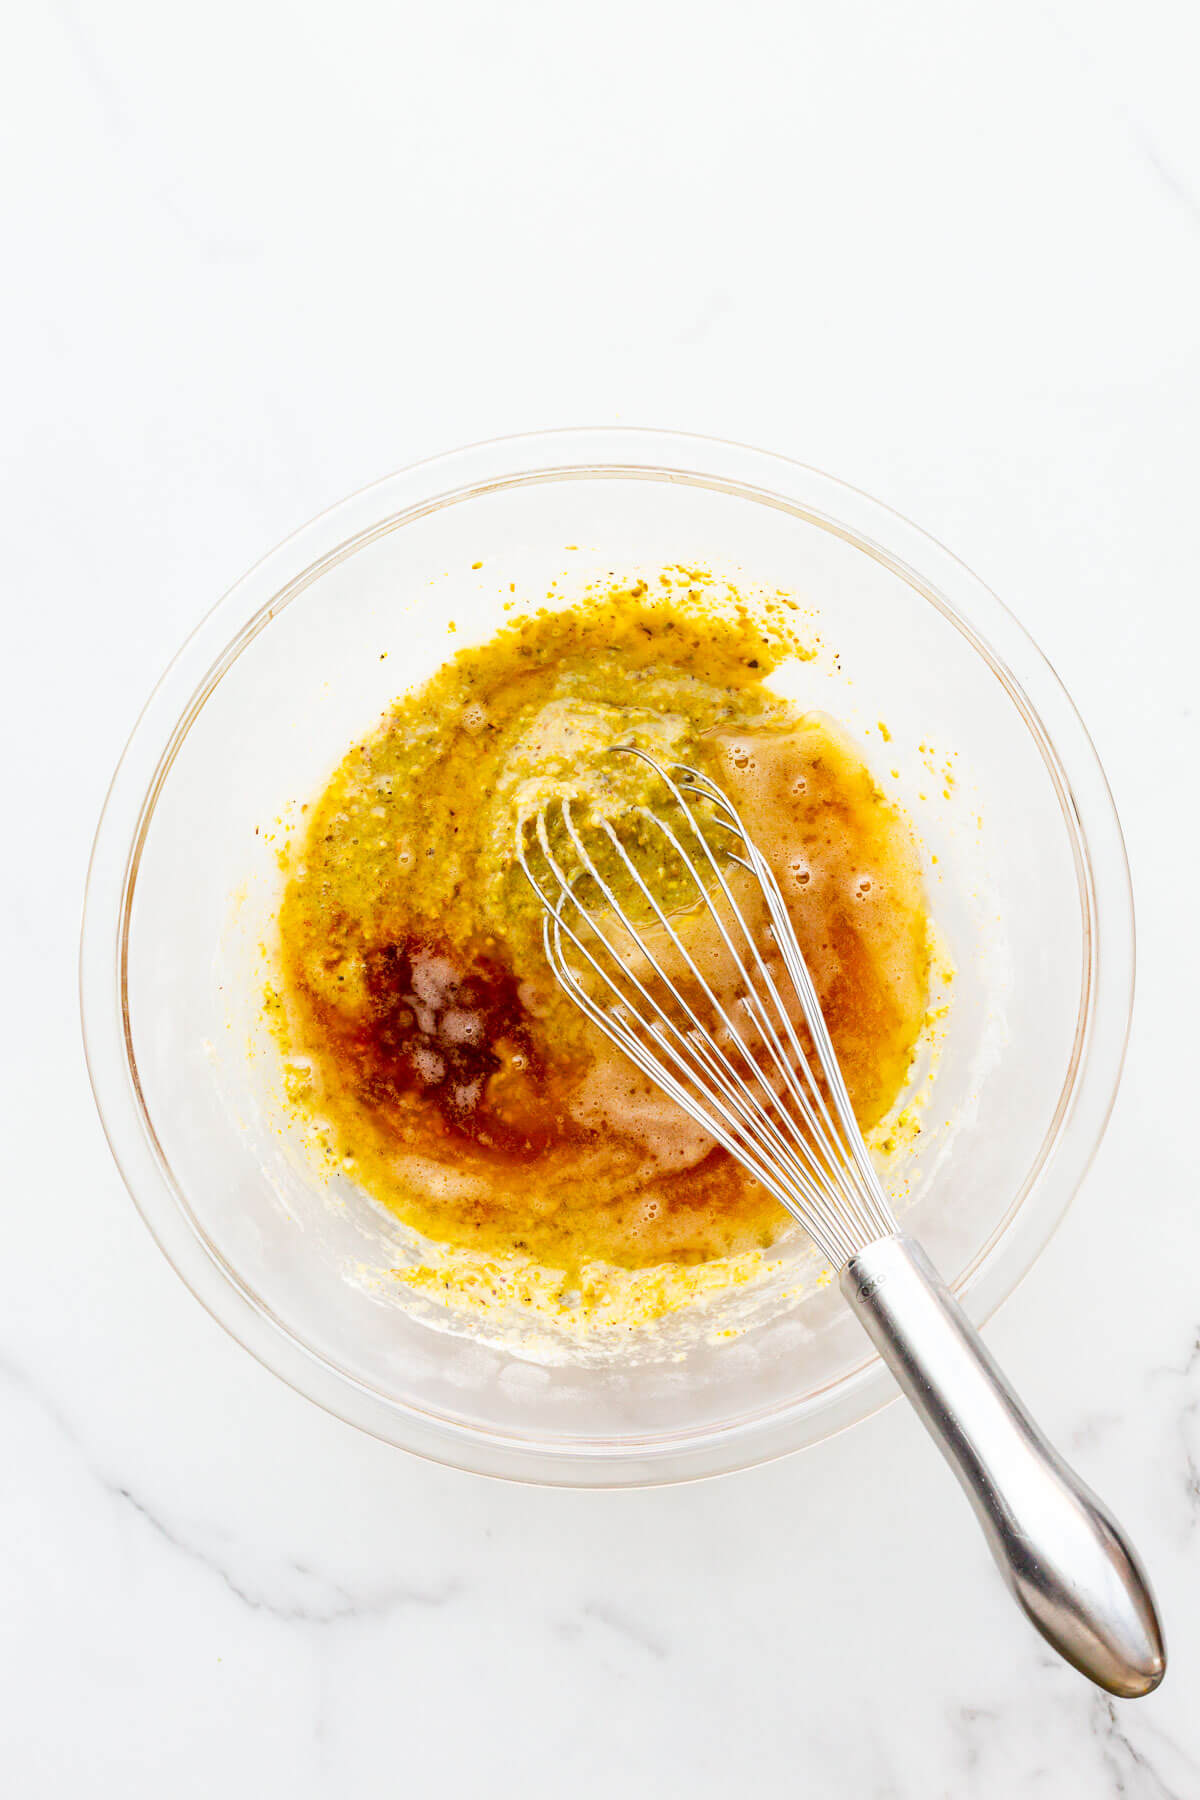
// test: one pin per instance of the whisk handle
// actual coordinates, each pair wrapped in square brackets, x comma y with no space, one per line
[1059,1549]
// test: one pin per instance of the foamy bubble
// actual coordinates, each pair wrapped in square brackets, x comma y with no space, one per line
[438,1181]
[429,1066]
[617,1100]
[434,979]
[458,1026]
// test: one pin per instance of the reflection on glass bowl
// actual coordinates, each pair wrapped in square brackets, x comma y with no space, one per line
[1030,889]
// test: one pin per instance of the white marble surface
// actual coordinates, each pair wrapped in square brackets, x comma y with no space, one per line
[256,255]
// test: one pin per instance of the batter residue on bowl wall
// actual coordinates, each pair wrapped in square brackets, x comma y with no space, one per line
[429,1045]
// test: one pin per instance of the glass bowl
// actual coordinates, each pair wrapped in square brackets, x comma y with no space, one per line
[970,728]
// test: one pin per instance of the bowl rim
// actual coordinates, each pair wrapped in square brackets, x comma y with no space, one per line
[619,452]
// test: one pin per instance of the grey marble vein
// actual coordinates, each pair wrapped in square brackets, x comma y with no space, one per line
[334,1602]
[342,1605]
[1167,176]
[1170,179]
[94,70]
[1133,1773]
[1185,1423]
[632,1631]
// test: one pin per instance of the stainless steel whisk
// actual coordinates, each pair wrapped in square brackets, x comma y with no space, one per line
[779,1104]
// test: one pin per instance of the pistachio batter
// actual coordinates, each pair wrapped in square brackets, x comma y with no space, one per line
[471,1096]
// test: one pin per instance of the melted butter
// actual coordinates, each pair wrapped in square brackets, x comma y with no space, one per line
[468,1093]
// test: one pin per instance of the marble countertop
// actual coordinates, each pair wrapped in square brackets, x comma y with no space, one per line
[258,255]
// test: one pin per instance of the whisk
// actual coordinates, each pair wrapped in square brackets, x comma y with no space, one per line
[728,1023]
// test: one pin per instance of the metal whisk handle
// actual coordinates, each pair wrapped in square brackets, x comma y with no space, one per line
[1060,1551]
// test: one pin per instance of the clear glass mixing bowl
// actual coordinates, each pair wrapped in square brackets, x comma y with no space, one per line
[1030,888]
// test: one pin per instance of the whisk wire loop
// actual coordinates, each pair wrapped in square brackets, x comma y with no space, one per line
[829,1138]
[784,935]
[684,1050]
[737,1065]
